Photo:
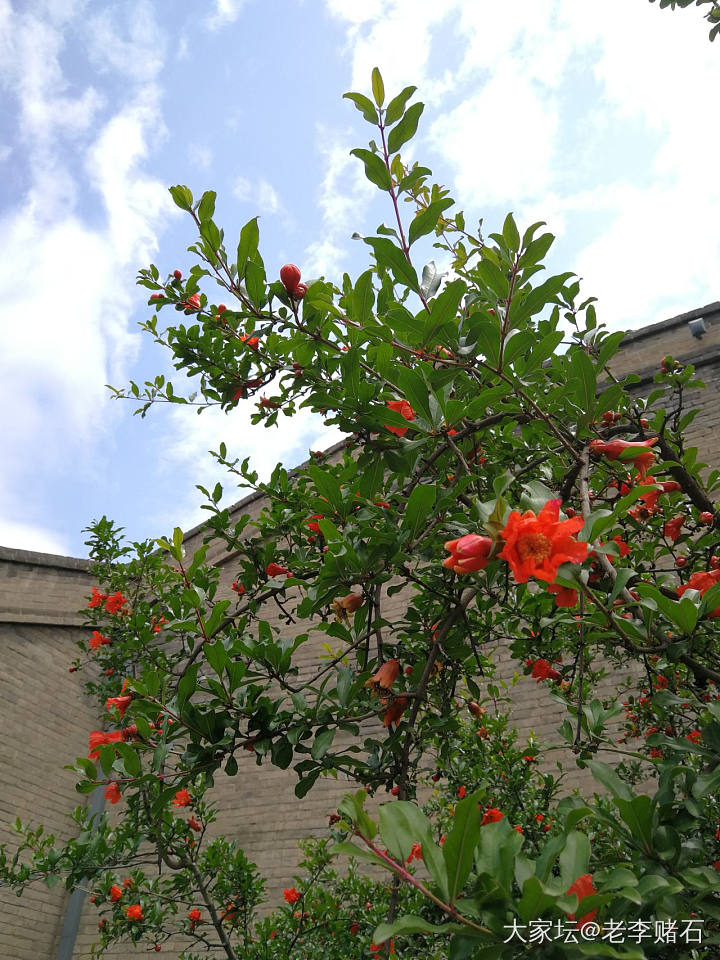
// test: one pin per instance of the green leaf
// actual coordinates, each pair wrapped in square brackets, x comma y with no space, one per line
[248,245]
[419,507]
[206,207]
[396,107]
[255,282]
[392,258]
[378,87]
[406,128]
[460,843]
[582,384]
[350,850]
[402,824]
[574,858]
[426,221]
[494,278]
[364,105]
[323,742]
[605,775]
[413,386]
[511,236]
[363,298]
[182,196]
[412,924]
[638,815]
[282,753]
[466,948]
[375,169]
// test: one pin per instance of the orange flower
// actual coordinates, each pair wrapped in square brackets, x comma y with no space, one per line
[115,893]
[115,602]
[395,711]
[195,917]
[275,570]
[415,853]
[291,895]
[134,912]
[312,522]
[492,815]
[194,825]
[182,799]
[385,676]
[564,596]
[97,598]
[99,739]
[582,887]
[702,581]
[98,640]
[635,451]
[535,546]
[542,670]
[122,703]
[405,410]
[468,554]
[112,793]
[351,602]
[673,527]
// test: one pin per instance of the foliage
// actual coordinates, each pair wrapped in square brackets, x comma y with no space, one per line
[515,495]
[712,15]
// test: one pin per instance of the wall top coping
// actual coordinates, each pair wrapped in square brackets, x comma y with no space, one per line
[653,328]
[33,558]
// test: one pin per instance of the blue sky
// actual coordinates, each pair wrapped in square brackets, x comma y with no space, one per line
[596,122]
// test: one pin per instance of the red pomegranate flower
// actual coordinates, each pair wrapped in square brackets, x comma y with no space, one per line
[275,570]
[673,527]
[121,703]
[468,554]
[112,792]
[492,815]
[115,893]
[385,676]
[564,596]
[182,799]
[535,546]
[291,895]
[582,887]
[543,670]
[702,581]
[396,709]
[134,912]
[405,410]
[636,452]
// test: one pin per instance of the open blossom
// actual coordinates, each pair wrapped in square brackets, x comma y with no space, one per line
[702,581]
[394,711]
[291,895]
[312,522]
[115,893]
[275,570]
[112,792]
[134,912]
[121,703]
[115,602]
[384,677]
[536,546]
[655,488]
[582,887]
[195,917]
[673,527]
[97,598]
[182,799]
[564,596]
[636,452]
[97,640]
[415,853]
[492,815]
[543,670]
[99,739]
[405,410]
[468,554]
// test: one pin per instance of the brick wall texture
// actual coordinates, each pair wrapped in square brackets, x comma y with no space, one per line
[45,718]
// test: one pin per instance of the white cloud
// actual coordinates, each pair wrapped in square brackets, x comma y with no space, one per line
[191,436]
[70,331]
[127,41]
[200,156]
[225,12]
[261,194]
[28,536]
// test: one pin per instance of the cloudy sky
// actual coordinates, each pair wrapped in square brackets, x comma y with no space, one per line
[593,117]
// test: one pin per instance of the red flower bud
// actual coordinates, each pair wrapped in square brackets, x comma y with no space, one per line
[177,274]
[290,277]
[706,517]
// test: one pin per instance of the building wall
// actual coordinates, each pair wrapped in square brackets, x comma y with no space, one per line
[45,718]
